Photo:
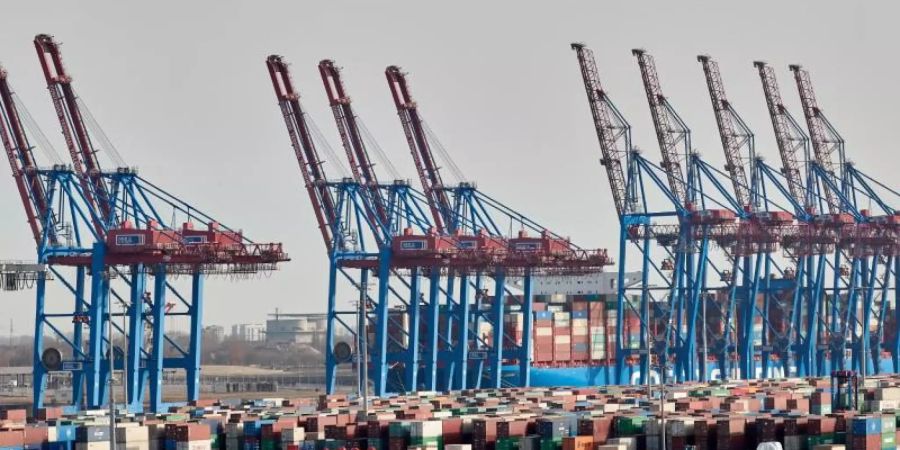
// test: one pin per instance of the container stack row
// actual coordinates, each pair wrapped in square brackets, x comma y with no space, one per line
[797,413]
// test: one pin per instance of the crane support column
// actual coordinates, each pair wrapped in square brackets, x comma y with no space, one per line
[330,363]
[528,321]
[381,322]
[431,342]
[77,334]
[135,401]
[462,341]
[39,373]
[496,358]
[412,361]
[192,369]
[157,353]
[99,297]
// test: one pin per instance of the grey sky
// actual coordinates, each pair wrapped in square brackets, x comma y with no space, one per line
[181,89]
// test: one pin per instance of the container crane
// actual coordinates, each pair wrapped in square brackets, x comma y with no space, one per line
[871,262]
[471,217]
[683,279]
[757,236]
[814,243]
[111,222]
[614,136]
[690,290]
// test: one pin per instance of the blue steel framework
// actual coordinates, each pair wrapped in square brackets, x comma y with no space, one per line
[464,210]
[756,284]
[100,235]
[387,233]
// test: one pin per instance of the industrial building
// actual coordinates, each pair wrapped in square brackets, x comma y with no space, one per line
[296,329]
[248,332]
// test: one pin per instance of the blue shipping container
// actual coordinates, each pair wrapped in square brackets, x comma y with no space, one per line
[866,425]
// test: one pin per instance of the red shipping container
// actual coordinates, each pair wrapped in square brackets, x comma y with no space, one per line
[14,415]
[12,438]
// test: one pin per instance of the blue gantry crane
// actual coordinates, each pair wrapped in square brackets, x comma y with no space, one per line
[102,235]
[448,238]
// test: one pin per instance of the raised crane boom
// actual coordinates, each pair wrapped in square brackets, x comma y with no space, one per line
[826,141]
[426,164]
[612,129]
[310,164]
[360,164]
[790,138]
[670,130]
[21,160]
[734,133]
[78,141]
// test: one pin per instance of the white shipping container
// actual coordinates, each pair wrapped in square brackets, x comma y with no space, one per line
[426,428]
[194,445]
[562,339]
[92,445]
[543,331]
[134,446]
[129,434]
[579,331]
[292,434]
[458,447]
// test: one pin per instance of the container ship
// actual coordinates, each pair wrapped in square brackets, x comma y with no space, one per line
[574,335]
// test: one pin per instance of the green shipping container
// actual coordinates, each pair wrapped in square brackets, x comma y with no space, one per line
[630,425]
[551,444]
[268,444]
[812,441]
[889,440]
[508,443]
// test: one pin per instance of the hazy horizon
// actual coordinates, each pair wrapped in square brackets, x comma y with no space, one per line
[182,91]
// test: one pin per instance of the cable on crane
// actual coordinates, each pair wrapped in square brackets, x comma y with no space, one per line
[443,154]
[43,144]
[322,143]
[100,135]
[379,152]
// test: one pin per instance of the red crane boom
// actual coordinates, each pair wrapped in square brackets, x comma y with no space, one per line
[732,139]
[21,160]
[790,142]
[310,164]
[78,141]
[426,165]
[665,132]
[351,138]
[824,144]
[608,132]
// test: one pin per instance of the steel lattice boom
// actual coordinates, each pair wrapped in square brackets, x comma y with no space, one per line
[734,134]
[613,132]
[426,165]
[670,130]
[826,142]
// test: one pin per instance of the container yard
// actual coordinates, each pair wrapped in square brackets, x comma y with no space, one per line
[797,413]
[742,294]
